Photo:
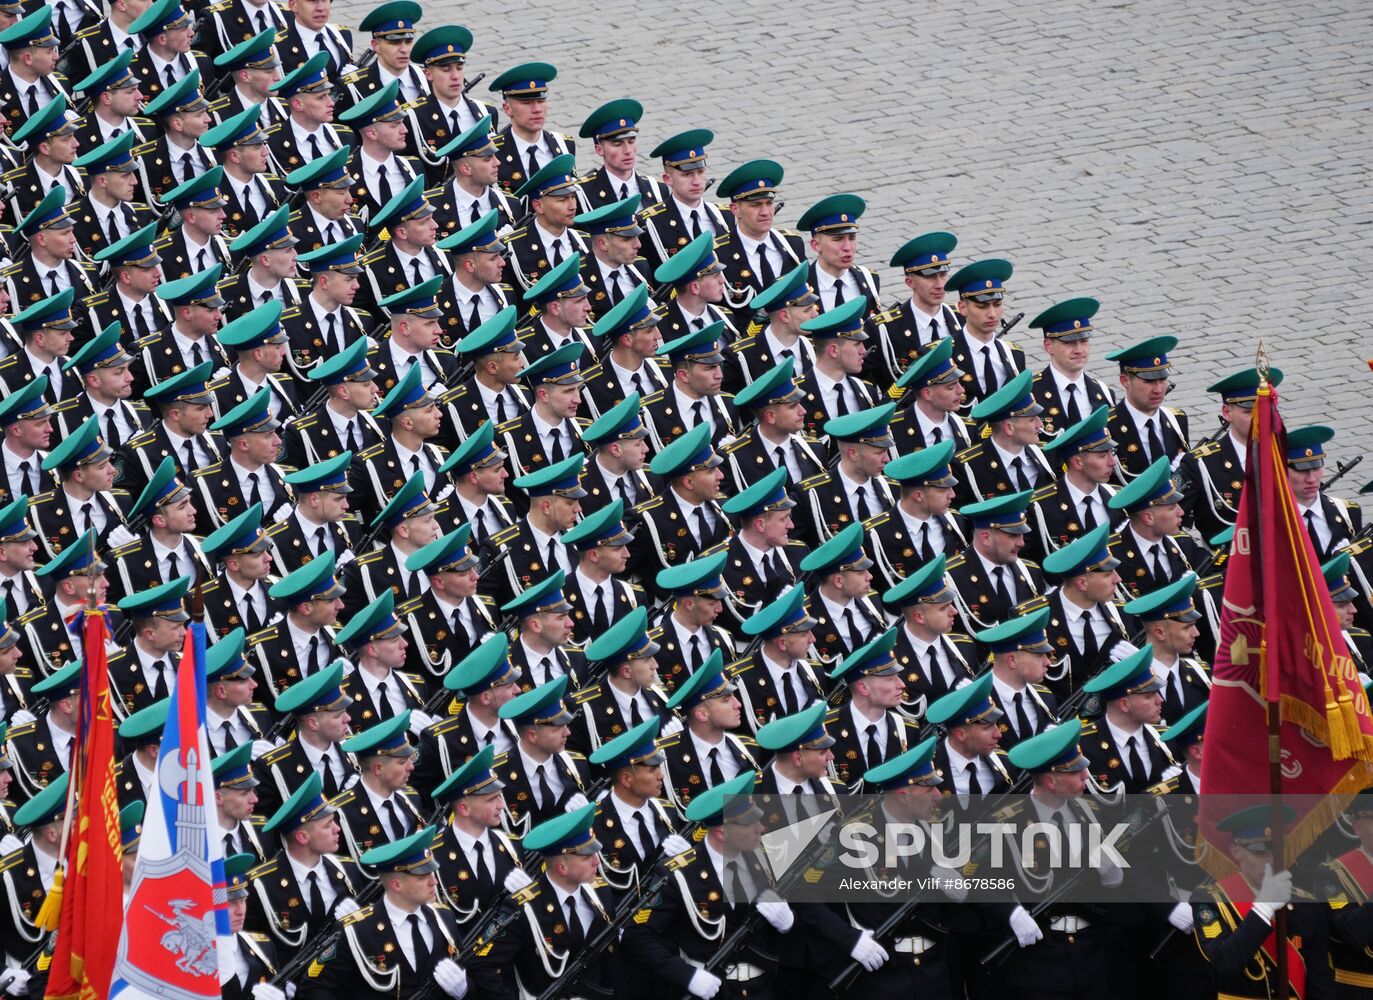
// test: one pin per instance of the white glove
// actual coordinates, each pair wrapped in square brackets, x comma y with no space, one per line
[1181,917]
[1023,925]
[261,747]
[671,726]
[290,991]
[1121,650]
[451,977]
[345,906]
[266,991]
[1274,893]
[15,982]
[868,953]
[120,535]
[420,721]
[22,718]
[703,984]
[576,802]
[282,513]
[9,843]
[517,880]
[674,845]
[777,913]
[951,883]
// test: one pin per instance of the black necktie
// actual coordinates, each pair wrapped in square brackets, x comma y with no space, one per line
[546,665]
[926,550]
[989,383]
[1018,475]
[574,925]
[599,621]
[533,160]
[779,457]
[33,99]
[1088,517]
[855,639]
[261,22]
[934,331]
[841,406]
[697,656]
[717,775]
[1089,640]
[553,562]
[698,415]
[52,282]
[1023,729]
[1309,517]
[695,223]
[393,821]
[636,715]
[159,669]
[415,271]
[230,847]
[383,185]
[14,609]
[974,786]
[614,281]
[112,437]
[455,124]
[933,669]
[1137,769]
[190,457]
[27,478]
[1002,591]
[86,515]
[638,384]
[1155,445]
[765,271]
[790,697]
[314,652]
[353,444]
[474,318]
[1161,574]
[546,801]
[140,321]
[384,709]
[330,231]
[864,511]
[646,839]
[1074,414]
[316,896]
[417,943]
[1172,701]
[326,773]
[873,751]
[486,882]
[479,525]
[254,493]
[838,294]
[702,528]
[321,541]
[315,152]
[251,619]
[173,566]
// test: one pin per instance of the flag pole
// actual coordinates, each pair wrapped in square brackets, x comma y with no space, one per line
[1273,695]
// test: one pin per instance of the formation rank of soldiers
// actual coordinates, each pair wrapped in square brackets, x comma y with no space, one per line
[536,510]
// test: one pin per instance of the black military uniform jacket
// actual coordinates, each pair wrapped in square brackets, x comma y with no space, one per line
[1057,519]
[439,362]
[751,356]
[45,634]
[602,300]
[667,539]
[675,324]
[868,282]
[400,171]
[363,828]
[902,338]
[230,24]
[925,686]
[181,259]
[311,438]
[72,412]
[223,615]
[1347,887]
[95,46]
[17,371]
[464,410]
[1221,472]
[281,770]
[667,232]
[452,213]
[525,447]
[104,308]
[897,551]
[281,909]
[851,742]
[364,711]
[599,189]
[430,130]
[230,391]
[987,477]
[762,700]
[967,358]
[1109,762]
[741,271]
[57,522]
[523,961]
[1056,417]
[434,646]
[599,718]
[1001,774]
[1137,570]
[151,83]
[514,162]
[599,492]
[274,654]
[685,775]
[132,689]
[620,859]
[602,390]
[673,659]
[1074,668]
[1235,945]
[135,567]
[742,576]
[271,190]
[89,134]
[621,597]
[910,435]
[308,339]
[978,603]
[750,457]
[312,237]
[293,49]
[859,394]
[526,564]
[26,287]
[831,638]
[1132,453]
[220,498]
[566,660]
[537,340]
[382,473]
[666,424]
[448,744]
[522,800]
[128,784]
[23,892]
[15,106]
[291,549]
[261,956]
[14,693]
[36,762]
[460,885]
[162,357]
[155,161]
[824,501]
[365,577]
[528,260]
[90,227]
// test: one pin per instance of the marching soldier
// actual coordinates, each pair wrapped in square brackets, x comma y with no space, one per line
[544,777]
[412,417]
[320,711]
[935,386]
[613,129]
[545,622]
[249,475]
[1331,524]
[166,56]
[682,214]
[988,577]
[404,526]
[189,342]
[380,173]
[175,156]
[46,328]
[393,38]
[1085,627]
[239,598]
[381,808]
[115,103]
[1151,546]
[1221,459]
[308,32]
[542,239]
[920,526]
[257,343]
[110,36]
[195,244]
[630,365]
[549,433]
[53,264]
[479,471]
[706,752]
[1020,653]
[50,137]
[309,133]
[934,659]
[685,520]
[320,523]
[255,957]
[923,320]
[970,755]
[70,578]
[599,598]
[755,254]
[619,455]
[627,691]
[301,643]
[247,71]
[778,679]
[834,274]
[268,250]
[449,619]
[987,362]
[343,421]
[494,356]
[777,439]
[43,746]
[143,671]
[868,729]
[85,501]
[1145,430]
[484,680]
[853,492]
[408,259]
[380,689]
[106,382]
[26,874]
[1067,393]
[26,424]
[473,193]
[613,232]
[696,279]
[763,559]
[130,300]
[240,830]
[135,773]
[1169,618]
[445,112]
[694,398]
[245,60]
[559,306]
[1343,595]
[325,187]
[1007,459]
[1349,881]
[18,585]
[232,719]
[15,682]
[1078,499]
[473,292]
[413,338]
[164,549]
[526,148]
[789,303]
[304,886]
[534,542]
[32,82]
[841,575]
[325,325]
[1123,746]
[696,593]
[109,212]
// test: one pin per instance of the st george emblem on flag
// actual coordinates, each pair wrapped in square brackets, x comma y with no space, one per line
[176,935]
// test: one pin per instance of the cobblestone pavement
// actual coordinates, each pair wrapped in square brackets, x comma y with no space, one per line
[1200,169]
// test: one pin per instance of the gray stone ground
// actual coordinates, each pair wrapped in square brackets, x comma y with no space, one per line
[1201,169]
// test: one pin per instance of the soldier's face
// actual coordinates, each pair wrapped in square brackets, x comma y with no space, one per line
[1100,587]
[120,185]
[252,566]
[446,80]
[796,315]
[19,556]
[396,771]
[703,380]
[252,158]
[98,476]
[238,913]
[1002,546]
[526,114]
[54,341]
[201,321]
[333,726]
[1024,430]
[835,250]
[41,60]
[555,626]
[1240,418]
[333,203]
[394,54]
[321,835]
[928,289]
[422,530]
[632,454]
[9,662]
[423,231]
[341,287]
[984,318]
[1031,666]
[125,101]
[140,281]
[885,691]
[1145,708]
[208,220]
[556,210]
[813,763]
[61,243]
[946,397]
[164,635]
[459,586]
[332,507]
[1167,518]
[1180,638]
[612,558]
[564,511]
[491,478]
[1096,466]
[870,460]
[775,527]
[562,400]
[390,135]
[178,39]
[195,417]
[703,610]
[61,148]
[257,82]
[981,738]
[646,781]
[425,420]
[574,311]
[488,267]
[35,432]
[938,618]
[1252,862]
[706,482]
[855,583]
[850,354]
[621,154]
[485,810]
[1069,358]
[236,803]
[754,215]
[723,713]
[578,868]
[325,612]
[686,186]
[1144,394]
[311,13]
[619,250]
[550,739]
[485,170]
[938,499]
[193,124]
[787,418]
[645,342]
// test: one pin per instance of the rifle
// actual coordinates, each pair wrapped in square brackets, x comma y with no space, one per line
[1342,469]
[1008,327]
[1211,438]
[473,82]
[279,729]
[325,940]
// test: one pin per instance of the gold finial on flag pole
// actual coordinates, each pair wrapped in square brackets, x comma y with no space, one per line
[1261,364]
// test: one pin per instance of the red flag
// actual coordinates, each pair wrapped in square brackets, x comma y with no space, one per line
[1280,642]
[93,888]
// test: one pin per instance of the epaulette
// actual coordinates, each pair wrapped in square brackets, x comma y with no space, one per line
[9,362]
[956,560]
[63,405]
[28,618]
[669,741]
[832,713]
[1206,450]
[142,122]
[144,149]
[277,528]
[93,29]
[345,796]
[125,550]
[218,383]
[255,936]
[1165,786]
[42,498]
[505,534]
[888,316]
[745,341]
[23,730]
[13,269]
[1029,564]
[13,175]
[220,104]
[409,606]
[652,397]
[368,558]
[1044,493]
[258,638]
[970,452]
[575,755]
[737,443]
[266,868]
[586,694]
[372,257]
[1032,605]
[358,915]
[739,666]
[371,452]
[309,420]
[882,517]
[652,210]
[648,504]
[209,470]
[583,422]
[11,859]
[814,481]
[1089,727]
[276,753]
[509,425]
[514,233]
[352,77]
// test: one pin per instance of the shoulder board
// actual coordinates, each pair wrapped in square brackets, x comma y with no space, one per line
[736,444]
[972,451]
[372,257]
[1207,449]
[12,859]
[877,519]
[586,694]
[653,397]
[352,77]
[814,481]
[886,317]
[509,425]
[745,341]
[1089,727]
[956,560]
[1032,605]
[62,406]
[357,915]
[648,504]
[372,452]
[13,175]
[28,618]
[370,557]
[410,606]
[266,868]
[9,362]
[23,730]
[1045,492]
[277,528]
[739,666]
[505,534]
[653,210]
[345,796]
[125,550]
[90,31]
[144,149]
[13,269]
[209,470]
[1164,787]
